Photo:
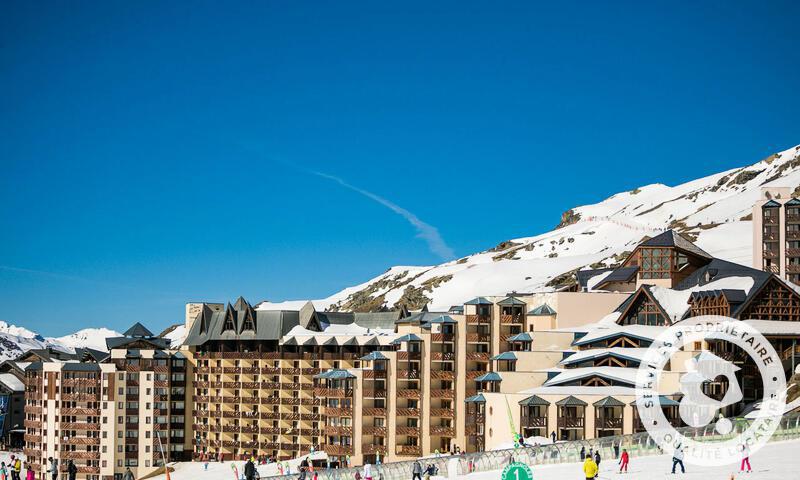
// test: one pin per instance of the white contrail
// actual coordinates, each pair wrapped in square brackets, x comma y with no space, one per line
[425,231]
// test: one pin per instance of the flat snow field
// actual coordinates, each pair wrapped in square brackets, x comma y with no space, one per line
[775,461]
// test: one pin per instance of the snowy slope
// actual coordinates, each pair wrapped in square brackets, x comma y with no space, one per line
[87,338]
[15,340]
[714,210]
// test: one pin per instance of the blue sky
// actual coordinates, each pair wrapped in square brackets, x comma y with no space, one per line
[155,153]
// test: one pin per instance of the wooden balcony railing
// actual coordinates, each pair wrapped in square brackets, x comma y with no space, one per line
[476,319]
[570,422]
[409,450]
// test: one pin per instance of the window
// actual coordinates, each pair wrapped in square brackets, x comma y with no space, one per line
[655,262]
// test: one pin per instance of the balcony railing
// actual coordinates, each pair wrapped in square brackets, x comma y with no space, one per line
[474,319]
[570,422]
[412,431]
[512,319]
[409,450]
[443,431]
[608,422]
[534,422]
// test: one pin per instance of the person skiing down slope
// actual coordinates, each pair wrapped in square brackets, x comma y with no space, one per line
[677,459]
[623,462]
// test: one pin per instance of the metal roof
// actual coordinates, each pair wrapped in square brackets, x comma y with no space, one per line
[533,400]
[375,355]
[571,402]
[335,374]
[771,204]
[511,301]
[489,377]
[664,401]
[443,319]
[479,398]
[622,274]
[505,356]
[520,337]
[671,238]
[608,402]
[409,337]
[542,310]
[478,301]
[138,330]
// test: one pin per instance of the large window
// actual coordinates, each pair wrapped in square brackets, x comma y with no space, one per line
[656,262]
[645,313]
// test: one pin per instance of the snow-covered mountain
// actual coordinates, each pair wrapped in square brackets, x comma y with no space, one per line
[714,210]
[15,340]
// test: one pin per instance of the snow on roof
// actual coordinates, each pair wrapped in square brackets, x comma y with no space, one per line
[627,375]
[647,332]
[597,279]
[11,381]
[775,327]
[599,391]
[583,355]
[676,302]
[289,305]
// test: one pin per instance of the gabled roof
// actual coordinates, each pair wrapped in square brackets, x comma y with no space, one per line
[478,301]
[384,320]
[608,402]
[421,318]
[511,301]
[771,204]
[409,337]
[479,398]
[664,401]
[621,274]
[520,337]
[374,355]
[269,325]
[542,310]
[443,319]
[583,276]
[335,374]
[138,330]
[792,203]
[671,238]
[241,304]
[456,309]
[505,356]
[533,401]
[643,293]
[489,377]
[732,296]
[571,402]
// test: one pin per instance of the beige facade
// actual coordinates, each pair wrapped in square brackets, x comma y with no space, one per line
[776,233]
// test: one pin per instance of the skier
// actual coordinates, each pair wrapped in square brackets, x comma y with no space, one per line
[589,468]
[72,470]
[597,458]
[249,470]
[677,459]
[745,458]
[553,436]
[583,453]
[623,462]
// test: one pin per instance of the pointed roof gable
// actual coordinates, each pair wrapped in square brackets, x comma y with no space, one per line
[478,301]
[479,398]
[520,337]
[511,301]
[138,330]
[542,310]
[505,356]
[571,402]
[671,238]
[241,304]
[643,293]
[489,377]
[533,401]
[608,402]
[792,203]
[771,204]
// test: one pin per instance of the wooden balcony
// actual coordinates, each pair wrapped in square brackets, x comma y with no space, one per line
[443,393]
[443,374]
[29,438]
[409,450]
[443,337]
[338,412]
[80,382]
[608,422]
[371,448]
[533,422]
[770,254]
[373,412]
[81,441]
[480,356]
[338,430]
[443,412]
[443,356]
[85,412]
[408,374]
[443,431]
[512,319]
[338,449]
[478,319]
[89,470]
[570,422]
[407,412]
[80,455]
[411,431]
[371,430]
[332,392]
[409,356]
[408,393]
[80,426]
[792,268]
[374,373]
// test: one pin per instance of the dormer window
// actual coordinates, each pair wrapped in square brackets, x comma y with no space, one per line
[656,263]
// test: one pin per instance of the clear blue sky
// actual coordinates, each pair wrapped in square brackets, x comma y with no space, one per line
[155,153]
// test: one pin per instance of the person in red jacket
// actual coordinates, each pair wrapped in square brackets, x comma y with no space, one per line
[623,462]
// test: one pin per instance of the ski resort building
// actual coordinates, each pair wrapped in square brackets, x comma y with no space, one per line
[396,385]
[776,233]
[128,410]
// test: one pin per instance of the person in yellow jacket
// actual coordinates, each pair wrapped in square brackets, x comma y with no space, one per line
[590,468]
